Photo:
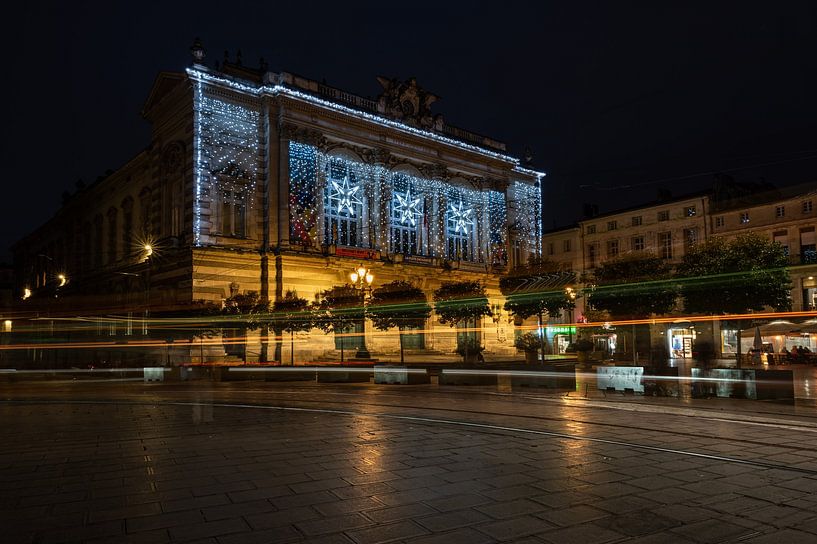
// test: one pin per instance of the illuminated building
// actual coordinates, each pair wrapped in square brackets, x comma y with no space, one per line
[269,182]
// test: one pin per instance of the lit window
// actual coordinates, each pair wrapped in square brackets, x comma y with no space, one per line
[744,217]
[636,220]
[691,211]
[663,215]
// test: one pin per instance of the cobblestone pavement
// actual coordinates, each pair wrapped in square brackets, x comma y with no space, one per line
[266,462]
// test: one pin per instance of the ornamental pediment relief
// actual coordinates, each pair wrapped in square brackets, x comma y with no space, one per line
[408,102]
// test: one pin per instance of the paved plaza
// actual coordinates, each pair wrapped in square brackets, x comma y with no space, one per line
[271,462]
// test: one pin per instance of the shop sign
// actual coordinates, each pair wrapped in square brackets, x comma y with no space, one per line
[620,378]
[562,330]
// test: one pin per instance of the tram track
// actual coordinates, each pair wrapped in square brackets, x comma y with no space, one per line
[488,419]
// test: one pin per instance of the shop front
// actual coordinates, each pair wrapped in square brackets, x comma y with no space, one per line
[681,341]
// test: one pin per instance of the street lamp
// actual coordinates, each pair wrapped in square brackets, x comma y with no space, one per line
[362,279]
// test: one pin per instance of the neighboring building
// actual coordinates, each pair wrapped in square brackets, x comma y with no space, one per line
[269,182]
[669,228]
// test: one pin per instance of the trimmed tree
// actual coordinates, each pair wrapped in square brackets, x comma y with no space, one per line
[633,286]
[398,304]
[292,314]
[248,312]
[537,289]
[458,302]
[339,308]
[748,273]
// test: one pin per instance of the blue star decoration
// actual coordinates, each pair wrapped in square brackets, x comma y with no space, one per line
[461,218]
[407,208]
[345,195]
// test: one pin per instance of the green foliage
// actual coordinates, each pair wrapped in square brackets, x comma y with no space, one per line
[247,309]
[581,345]
[339,307]
[398,304]
[537,288]
[633,286]
[735,276]
[527,342]
[468,346]
[458,301]
[292,313]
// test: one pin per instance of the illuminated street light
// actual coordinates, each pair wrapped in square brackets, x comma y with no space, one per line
[26,293]
[362,279]
[63,280]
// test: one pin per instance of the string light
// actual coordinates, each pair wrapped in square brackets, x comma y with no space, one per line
[227,146]
[362,205]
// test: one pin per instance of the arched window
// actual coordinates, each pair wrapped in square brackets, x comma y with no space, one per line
[344,205]
[406,210]
[460,224]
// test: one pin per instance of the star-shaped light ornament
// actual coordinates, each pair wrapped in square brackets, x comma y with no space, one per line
[346,196]
[462,218]
[407,207]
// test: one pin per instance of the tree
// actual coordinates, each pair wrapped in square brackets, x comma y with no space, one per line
[633,286]
[339,308]
[398,304]
[292,314]
[458,302]
[735,276]
[248,312]
[538,288]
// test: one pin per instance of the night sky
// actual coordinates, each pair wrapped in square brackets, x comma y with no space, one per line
[615,99]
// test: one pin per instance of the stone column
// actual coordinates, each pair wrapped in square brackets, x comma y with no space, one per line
[287,134]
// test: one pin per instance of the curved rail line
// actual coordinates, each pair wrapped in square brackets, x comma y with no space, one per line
[483,427]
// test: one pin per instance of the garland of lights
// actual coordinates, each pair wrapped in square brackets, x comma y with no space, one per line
[396,200]
[227,147]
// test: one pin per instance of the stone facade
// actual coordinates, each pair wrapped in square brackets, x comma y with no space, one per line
[268,182]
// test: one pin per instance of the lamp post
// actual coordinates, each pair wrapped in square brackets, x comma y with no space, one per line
[362,279]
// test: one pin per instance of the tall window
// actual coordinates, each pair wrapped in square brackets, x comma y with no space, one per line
[112,238]
[719,221]
[550,248]
[566,246]
[406,217]
[127,226]
[459,229]
[782,238]
[233,214]
[591,229]
[690,238]
[665,244]
[612,225]
[744,217]
[663,215]
[690,211]
[637,243]
[592,254]
[636,220]
[343,206]
[780,211]
[612,248]
[807,207]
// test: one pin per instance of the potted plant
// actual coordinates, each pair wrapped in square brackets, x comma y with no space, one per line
[529,343]
[470,350]
[582,347]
